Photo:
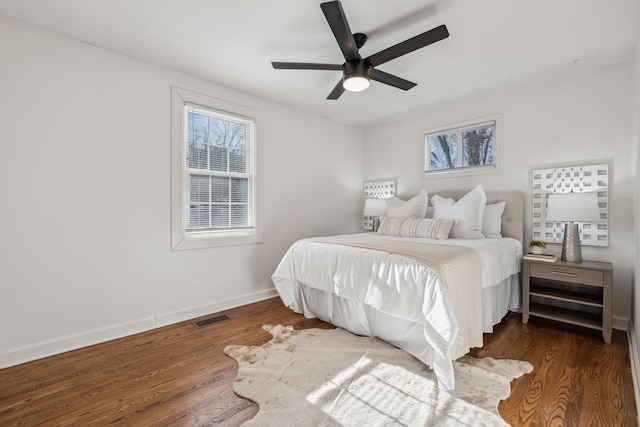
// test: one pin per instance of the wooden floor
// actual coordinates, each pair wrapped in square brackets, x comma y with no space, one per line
[178,375]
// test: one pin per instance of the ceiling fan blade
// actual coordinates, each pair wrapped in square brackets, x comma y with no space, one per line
[391,80]
[414,43]
[305,66]
[337,91]
[338,22]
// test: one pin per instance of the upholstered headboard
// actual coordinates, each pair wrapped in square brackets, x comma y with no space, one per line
[513,215]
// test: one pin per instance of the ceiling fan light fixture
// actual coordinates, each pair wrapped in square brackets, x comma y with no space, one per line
[356,75]
[355,83]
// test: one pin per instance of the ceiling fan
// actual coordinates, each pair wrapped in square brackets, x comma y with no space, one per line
[357,72]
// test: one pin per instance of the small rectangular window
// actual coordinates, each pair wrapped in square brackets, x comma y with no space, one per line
[470,147]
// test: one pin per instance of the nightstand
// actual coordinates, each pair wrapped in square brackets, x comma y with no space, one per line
[574,293]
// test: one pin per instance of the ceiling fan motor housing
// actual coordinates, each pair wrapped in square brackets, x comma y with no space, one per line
[357,68]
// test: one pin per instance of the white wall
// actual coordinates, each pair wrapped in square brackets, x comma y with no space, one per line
[85,197]
[635,293]
[584,120]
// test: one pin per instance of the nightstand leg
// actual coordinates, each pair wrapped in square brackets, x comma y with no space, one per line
[606,306]
[525,292]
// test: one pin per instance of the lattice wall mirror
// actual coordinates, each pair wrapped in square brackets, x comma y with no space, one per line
[378,189]
[577,179]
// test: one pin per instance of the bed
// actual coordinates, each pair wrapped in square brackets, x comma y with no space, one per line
[432,298]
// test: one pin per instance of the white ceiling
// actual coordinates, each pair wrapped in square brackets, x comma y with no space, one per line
[494,46]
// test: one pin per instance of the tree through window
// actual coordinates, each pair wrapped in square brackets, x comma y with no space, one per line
[460,148]
[219,170]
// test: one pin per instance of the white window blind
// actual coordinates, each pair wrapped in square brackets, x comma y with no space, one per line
[219,172]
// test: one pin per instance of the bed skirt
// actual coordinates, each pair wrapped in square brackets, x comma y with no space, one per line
[361,319]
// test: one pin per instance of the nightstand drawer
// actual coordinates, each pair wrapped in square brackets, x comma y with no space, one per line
[567,274]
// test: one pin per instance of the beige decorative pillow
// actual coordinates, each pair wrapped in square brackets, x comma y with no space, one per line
[438,228]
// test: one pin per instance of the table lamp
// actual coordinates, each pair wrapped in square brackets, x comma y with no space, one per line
[572,208]
[375,208]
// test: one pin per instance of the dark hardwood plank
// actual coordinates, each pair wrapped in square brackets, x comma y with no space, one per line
[178,375]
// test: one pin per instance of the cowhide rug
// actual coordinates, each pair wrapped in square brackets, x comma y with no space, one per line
[330,377]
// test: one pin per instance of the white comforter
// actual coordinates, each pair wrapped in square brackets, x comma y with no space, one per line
[395,285]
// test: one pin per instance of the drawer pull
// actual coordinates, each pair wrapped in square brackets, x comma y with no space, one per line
[560,273]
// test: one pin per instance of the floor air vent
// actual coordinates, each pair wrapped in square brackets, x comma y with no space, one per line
[210,321]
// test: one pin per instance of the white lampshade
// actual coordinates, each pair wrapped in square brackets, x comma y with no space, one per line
[375,207]
[573,207]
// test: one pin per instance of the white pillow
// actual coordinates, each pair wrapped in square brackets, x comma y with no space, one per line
[492,220]
[468,213]
[429,213]
[416,227]
[414,207]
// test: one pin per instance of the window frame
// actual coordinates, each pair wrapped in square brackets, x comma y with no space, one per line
[181,237]
[496,167]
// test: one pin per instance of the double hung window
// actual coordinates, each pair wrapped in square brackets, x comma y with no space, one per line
[216,204]
[219,171]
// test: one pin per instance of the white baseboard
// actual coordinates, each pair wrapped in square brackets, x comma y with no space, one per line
[16,356]
[635,363]
[620,323]
[170,318]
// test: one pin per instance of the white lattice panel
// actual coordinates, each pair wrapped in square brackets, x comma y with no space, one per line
[378,190]
[564,180]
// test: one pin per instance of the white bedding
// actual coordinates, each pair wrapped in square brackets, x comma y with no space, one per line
[500,257]
[351,287]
